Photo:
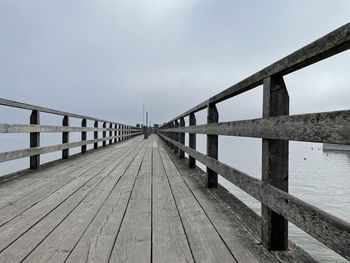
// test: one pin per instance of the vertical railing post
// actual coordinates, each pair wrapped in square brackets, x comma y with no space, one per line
[192,140]
[104,133]
[182,137]
[65,137]
[34,141]
[212,145]
[122,132]
[96,135]
[275,164]
[110,133]
[176,136]
[83,136]
[115,133]
[119,132]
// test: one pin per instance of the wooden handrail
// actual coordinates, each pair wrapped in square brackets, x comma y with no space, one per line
[35,128]
[275,128]
[329,45]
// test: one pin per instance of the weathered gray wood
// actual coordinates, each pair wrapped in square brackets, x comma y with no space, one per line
[26,128]
[17,154]
[328,229]
[133,243]
[205,242]
[58,245]
[241,243]
[326,127]
[274,234]
[83,136]
[65,137]
[26,106]
[104,134]
[212,145]
[192,140]
[182,137]
[34,161]
[241,212]
[16,204]
[169,243]
[18,226]
[110,133]
[97,242]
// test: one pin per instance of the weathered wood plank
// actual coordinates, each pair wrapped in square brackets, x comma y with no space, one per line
[245,215]
[17,154]
[275,155]
[133,243]
[169,242]
[326,127]
[51,211]
[59,244]
[27,106]
[328,229]
[41,191]
[205,243]
[97,242]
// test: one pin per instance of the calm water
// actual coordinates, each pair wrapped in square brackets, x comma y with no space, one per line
[319,178]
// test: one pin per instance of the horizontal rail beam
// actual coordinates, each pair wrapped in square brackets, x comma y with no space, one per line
[328,229]
[331,44]
[326,127]
[18,154]
[25,128]
[26,106]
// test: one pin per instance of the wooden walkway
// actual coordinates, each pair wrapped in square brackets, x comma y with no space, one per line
[127,202]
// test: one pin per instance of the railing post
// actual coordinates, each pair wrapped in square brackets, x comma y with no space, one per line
[171,134]
[182,137]
[176,136]
[122,132]
[34,161]
[275,164]
[96,135]
[83,136]
[104,133]
[212,145]
[192,140]
[110,133]
[115,133]
[65,137]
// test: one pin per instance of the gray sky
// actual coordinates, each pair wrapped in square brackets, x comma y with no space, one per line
[104,58]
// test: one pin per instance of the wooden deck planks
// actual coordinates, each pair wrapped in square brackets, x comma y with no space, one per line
[133,243]
[58,245]
[97,242]
[135,202]
[204,240]
[73,191]
[169,242]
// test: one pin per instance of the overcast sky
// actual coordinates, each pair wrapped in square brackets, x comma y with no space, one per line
[104,58]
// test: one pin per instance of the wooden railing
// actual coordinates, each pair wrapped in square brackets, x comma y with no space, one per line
[117,132]
[276,128]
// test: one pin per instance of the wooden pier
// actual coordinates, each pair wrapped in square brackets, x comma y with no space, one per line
[130,199]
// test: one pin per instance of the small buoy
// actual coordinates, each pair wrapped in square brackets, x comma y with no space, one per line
[305,158]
